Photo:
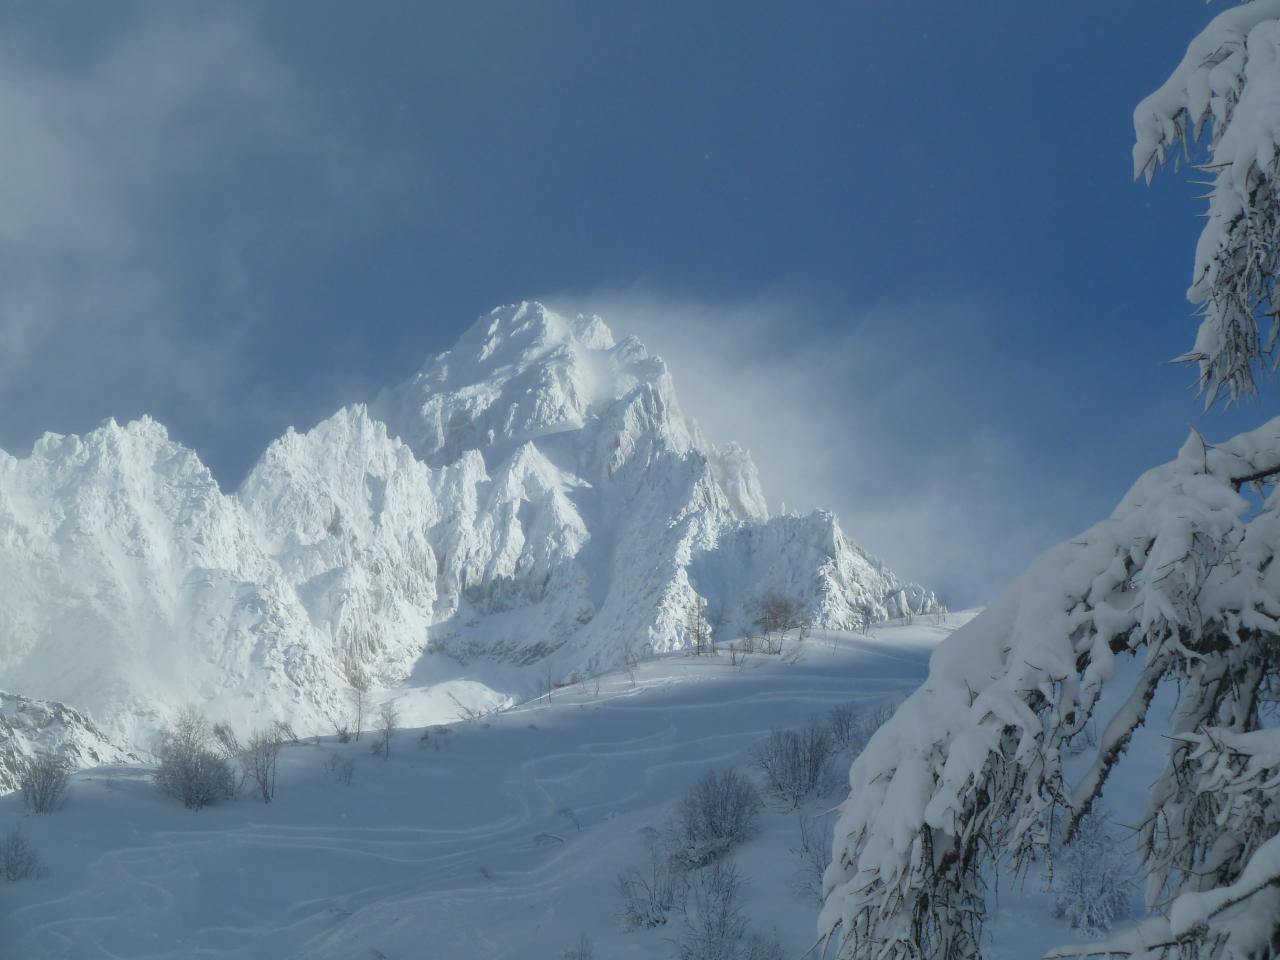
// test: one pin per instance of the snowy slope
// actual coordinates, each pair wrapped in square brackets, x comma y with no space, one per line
[533,496]
[455,848]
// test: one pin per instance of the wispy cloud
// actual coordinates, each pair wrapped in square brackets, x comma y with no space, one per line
[128,173]
[888,416]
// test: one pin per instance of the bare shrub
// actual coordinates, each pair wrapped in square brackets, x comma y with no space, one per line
[842,721]
[716,813]
[18,861]
[226,742]
[796,764]
[340,768]
[852,726]
[465,711]
[584,949]
[568,814]
[343,732]
[651,892]
[388,718]
[714,925]
[259,761]
[191,770]
[759,946]
[284,732]
[812,854]
[43,780]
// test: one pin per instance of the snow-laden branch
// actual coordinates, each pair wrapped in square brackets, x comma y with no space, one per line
[1229,84]
[970,769]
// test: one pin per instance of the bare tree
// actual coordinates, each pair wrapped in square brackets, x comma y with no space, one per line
[259,760]
[631,657]
[697,629]
[774,613]
[358,680]
[866,617]
[388,718]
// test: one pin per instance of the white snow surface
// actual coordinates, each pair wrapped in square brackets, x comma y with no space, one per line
[453,848]
[533,496]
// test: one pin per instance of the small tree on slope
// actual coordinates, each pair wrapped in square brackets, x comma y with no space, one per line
[1182,578]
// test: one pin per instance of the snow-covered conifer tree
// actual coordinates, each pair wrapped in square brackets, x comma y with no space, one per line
[1223,97]
[1179,583]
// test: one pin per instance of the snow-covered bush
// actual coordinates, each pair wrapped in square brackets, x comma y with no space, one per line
[714,926]
[43,781]
[1181,579]
[796,764]
[716,814]
[18,861]
[1093,877]
[191,769]
[650,893]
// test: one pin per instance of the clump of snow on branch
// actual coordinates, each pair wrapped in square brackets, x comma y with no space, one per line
[1228,84]
[1181,578]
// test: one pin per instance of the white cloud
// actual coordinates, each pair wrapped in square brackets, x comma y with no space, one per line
[886,417]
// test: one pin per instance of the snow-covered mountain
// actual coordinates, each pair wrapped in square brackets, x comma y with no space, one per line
[535,495]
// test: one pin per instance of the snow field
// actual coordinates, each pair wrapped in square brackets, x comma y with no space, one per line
[454,848]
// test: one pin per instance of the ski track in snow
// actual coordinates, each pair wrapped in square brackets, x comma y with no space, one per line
[394,865]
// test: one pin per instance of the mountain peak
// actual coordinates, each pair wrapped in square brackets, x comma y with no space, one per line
[516,335]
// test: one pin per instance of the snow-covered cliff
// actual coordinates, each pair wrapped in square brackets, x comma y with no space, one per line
[535,494]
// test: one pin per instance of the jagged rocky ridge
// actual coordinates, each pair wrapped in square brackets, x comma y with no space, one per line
[535,495]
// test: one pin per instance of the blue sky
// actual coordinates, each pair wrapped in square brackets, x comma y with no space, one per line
[893,248]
